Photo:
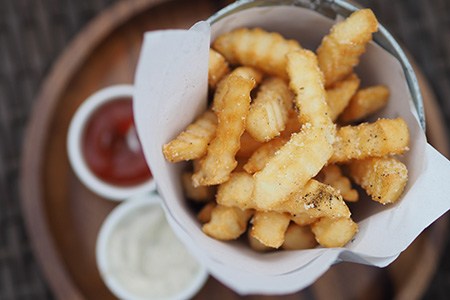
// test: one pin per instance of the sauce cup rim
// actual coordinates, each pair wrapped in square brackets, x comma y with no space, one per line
[75,140]
[119,213]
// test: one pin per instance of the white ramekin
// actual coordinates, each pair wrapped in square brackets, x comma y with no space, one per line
[74,146]
[123,211]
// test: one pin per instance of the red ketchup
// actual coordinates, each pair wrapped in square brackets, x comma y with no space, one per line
[111,147]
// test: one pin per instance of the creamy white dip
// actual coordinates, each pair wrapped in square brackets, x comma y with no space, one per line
[146,258]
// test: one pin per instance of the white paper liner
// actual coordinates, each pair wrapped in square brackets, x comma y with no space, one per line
[171,89]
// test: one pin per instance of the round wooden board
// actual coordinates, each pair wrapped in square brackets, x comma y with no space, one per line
[63,217]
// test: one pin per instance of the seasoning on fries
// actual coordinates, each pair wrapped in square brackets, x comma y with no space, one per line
[274,145]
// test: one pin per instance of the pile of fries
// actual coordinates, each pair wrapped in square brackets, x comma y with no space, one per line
[277,148]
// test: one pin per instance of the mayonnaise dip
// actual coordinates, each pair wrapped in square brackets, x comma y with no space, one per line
[146,258]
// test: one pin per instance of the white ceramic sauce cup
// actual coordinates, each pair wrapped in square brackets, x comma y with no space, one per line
[74,146]
[122,213]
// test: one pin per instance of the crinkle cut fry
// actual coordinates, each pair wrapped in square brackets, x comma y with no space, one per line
[204,215]
[255,244]
[247,73]
[256,48]
[227,223]
[332,175]
[196,193]
[217,68]
[193,141]
[220,160]
[314,200]
[269,111]
[303,219]
[340,95]
[384,179]
[334,232]
[298,237]
[262,155]
[269,227]
[306,80]
[296,162]
[307,151]
[364,103]
[341,49]
[378,139]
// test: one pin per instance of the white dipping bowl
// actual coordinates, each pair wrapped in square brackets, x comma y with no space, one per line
[74,146]
[123,212]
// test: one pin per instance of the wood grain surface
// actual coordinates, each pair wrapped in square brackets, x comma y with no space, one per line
[63,217]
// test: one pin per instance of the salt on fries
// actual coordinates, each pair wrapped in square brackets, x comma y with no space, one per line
[276,161]
[378,139]
[383,178]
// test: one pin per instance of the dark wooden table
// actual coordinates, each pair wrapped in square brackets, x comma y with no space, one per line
[34,32]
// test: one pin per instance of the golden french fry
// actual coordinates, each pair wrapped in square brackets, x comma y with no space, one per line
[306,80]
[196,193]
[381,138]
[237,191]
[384,179]
[217,68]
[269,110]
[256,48]
[298,237]
[220,95]
[339,95]
[340,50]
[193,142]
[249,73]
[332,233]
[255,244]
[314,200]
[227,223]
[364,103]
[296,162]
[333,176]
[302,157]
[220,160]
[261,156]
[303,219]
[204,215]
[269,228]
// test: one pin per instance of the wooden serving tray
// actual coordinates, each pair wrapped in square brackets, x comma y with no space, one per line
[63,217]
